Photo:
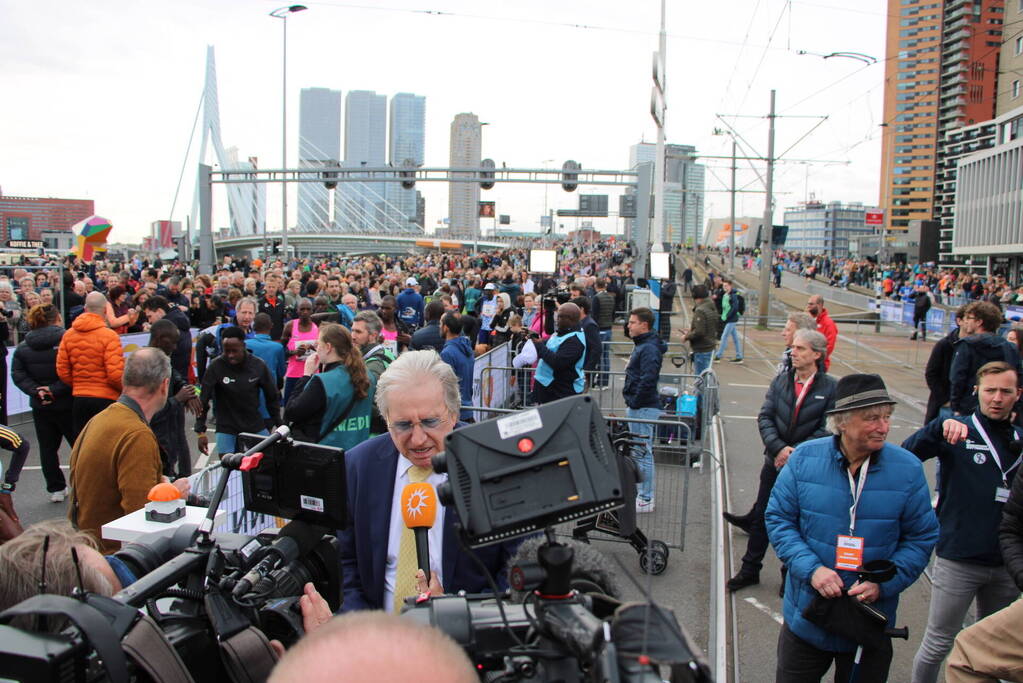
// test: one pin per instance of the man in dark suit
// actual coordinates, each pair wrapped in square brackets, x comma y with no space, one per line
[419,398]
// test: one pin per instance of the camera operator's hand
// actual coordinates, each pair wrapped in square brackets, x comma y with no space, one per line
[954,431]
[433,588]
[203,443]
[315,613]
[404,338]
[866,591]
[827,582]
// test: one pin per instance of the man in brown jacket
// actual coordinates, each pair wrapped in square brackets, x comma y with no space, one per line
[90,360]
[116,460]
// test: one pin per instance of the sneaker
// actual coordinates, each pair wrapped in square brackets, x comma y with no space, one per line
[717,360]
[643,506]
[58,496]
[735,360]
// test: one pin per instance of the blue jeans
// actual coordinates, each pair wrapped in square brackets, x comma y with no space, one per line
[226,443]
[701,361]
[645,458]
[602,378]
[731,330]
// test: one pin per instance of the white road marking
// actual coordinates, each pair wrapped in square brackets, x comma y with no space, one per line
[739,417]
[751,386]
[37,467]
[765,609]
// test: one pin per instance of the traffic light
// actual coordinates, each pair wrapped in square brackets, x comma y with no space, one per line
[569,180]
[408,173]
[488,176]
[329,177]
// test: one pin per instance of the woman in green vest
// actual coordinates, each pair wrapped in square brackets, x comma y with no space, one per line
[332,403]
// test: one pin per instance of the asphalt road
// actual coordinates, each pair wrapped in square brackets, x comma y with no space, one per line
[683,513]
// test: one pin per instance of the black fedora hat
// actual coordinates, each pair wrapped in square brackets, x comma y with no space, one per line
[860,391]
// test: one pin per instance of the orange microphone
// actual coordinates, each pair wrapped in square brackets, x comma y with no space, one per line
[419,510]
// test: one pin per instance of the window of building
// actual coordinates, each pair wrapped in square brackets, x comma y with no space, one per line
[17,227]
[1015,89]
[1019,45]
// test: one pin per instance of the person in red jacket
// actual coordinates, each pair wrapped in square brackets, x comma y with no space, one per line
[90,359]
[825,325]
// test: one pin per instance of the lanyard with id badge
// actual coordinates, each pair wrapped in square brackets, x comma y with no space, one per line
[849,549]
[1001,492]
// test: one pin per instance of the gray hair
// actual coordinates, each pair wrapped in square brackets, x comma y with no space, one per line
[836,420]
[247,300]
[22,557]
[803,320]
[817,341]
[408,371]
[373,322]
[146,369]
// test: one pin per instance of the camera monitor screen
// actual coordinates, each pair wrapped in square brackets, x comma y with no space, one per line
[521,472]
[297,480]
[660,266]
[543,260]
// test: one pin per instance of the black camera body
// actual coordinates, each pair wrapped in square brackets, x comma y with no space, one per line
[215,598]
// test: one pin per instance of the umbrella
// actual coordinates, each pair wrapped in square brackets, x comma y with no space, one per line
[92,234]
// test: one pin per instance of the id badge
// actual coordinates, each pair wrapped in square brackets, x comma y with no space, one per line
[849,553]
[1001,494]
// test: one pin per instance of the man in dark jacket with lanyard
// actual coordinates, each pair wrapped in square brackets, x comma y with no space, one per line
[977,465]
[560,371]
[640,394]
[992,648]
[794,411]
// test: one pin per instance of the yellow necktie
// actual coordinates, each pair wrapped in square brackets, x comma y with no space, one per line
[408,562]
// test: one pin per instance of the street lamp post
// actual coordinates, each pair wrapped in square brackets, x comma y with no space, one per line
[282,14]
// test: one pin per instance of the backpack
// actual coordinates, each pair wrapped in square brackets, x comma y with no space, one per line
[740,304]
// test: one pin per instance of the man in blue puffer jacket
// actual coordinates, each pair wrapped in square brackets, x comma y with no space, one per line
[640,394]
[840,502]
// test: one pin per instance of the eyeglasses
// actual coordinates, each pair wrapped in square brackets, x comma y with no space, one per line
[428,424]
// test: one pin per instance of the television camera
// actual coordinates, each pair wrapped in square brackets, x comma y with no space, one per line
[211,600]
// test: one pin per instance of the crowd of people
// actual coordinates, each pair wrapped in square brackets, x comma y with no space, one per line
[375,355]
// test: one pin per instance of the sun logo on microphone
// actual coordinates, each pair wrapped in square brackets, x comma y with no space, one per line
[417,502]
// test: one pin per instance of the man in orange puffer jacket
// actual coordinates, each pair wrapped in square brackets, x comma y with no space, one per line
[91,361]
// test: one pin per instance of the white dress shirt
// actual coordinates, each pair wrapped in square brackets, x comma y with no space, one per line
[436,534]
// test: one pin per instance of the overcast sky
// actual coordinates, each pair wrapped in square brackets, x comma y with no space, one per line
[99,97]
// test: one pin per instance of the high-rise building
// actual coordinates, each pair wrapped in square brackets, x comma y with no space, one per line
[940,76]
[359,206]
[683,191]
[25,218]
[1010,60]
[408,131]
[824,229]
[463,198]
[319,144]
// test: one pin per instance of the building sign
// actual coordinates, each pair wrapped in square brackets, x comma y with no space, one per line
[25,244]
[873,217]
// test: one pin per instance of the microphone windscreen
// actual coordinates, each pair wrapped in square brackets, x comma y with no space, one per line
[419,505]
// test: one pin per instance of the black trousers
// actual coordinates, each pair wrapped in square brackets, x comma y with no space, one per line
[83,408]
[756,546]
[800,662]
[51,425]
